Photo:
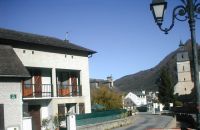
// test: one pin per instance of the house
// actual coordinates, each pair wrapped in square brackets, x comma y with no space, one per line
[12,72]
[142,96]
[41,77]
[185,83]
[135,99]
[96,83]
[130,101]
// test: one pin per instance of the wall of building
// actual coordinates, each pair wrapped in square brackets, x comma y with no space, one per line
[143,99]
[183,69]
[68,100]
[183,88]
[12,107]
[184,84]
[55,61]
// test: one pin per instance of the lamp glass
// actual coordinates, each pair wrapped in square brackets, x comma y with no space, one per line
[158,11]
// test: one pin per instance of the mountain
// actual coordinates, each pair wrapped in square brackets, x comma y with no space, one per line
[147,79]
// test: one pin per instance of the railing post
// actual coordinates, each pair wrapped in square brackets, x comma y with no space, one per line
[54,82]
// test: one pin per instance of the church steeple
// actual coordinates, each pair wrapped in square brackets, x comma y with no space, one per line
[185,84]
[181,46]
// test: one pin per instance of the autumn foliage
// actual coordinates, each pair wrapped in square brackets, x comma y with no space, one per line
[106,97]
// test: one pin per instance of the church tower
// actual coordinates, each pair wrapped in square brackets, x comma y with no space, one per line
[184,84]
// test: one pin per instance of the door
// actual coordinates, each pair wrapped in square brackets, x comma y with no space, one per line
[81,108]
[61,110]
[38,84]
[2,117]
[61,116]
[34,111]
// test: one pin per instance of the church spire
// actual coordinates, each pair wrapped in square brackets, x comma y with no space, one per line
[181,46]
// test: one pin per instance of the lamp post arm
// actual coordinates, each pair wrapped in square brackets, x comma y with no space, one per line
[197,11]
[177,11]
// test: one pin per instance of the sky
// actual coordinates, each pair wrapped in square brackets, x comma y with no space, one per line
[123,32]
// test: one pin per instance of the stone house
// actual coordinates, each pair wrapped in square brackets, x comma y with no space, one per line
[96,83]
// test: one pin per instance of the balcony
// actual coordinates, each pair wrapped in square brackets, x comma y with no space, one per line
[68,90]
[46,90]
[37,90]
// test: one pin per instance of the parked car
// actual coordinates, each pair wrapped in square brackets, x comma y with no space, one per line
[166,111]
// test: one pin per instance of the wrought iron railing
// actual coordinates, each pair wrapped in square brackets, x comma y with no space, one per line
[37,90]
[46,90]
[68,90]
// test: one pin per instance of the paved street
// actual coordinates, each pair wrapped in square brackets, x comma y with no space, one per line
[143,122]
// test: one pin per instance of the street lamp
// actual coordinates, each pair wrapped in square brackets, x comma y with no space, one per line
[189,10]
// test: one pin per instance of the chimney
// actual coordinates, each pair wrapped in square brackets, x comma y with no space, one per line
[66,37]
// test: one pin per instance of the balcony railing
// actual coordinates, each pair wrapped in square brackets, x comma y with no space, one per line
[46,90]
[37,90]
[68,90]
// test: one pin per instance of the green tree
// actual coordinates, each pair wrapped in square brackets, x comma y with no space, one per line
[165,87]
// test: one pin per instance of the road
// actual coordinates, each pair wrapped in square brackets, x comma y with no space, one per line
[143,122]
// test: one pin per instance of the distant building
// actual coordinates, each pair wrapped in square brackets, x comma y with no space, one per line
[135,99]
[153,95]
[142,96]
[96,83]
[185,83]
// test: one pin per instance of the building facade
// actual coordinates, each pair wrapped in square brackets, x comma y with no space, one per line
[58,82]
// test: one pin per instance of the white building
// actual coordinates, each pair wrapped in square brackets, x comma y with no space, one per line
[132,99]
[58,80]
[142,96]
[185,83]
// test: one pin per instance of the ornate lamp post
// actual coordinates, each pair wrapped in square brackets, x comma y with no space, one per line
[189,10]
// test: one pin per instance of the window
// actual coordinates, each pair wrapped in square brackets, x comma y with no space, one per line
[81,108]
[28,83]
[61,110]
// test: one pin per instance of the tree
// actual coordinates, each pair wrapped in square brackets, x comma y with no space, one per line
[165,87]
[106,97]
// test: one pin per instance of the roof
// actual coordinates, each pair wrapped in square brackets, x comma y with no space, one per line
[10,64]
[41,40]
[97,80]
[139,93]
[134,98]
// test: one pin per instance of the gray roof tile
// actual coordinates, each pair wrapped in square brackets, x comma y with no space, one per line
[41,40]
[10,64]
